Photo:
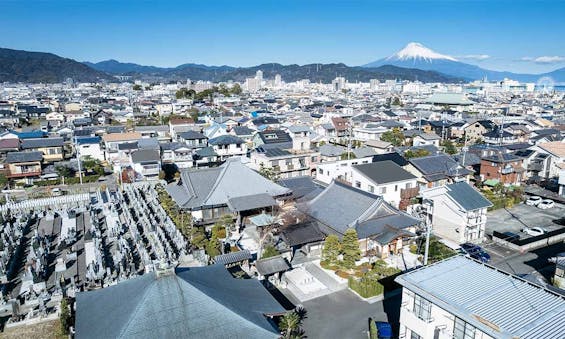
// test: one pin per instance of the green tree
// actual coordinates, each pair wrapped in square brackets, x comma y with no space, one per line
[418,153]
[269,251]
[3,180]
[92,165]
[350,248]
[198,237]
[347,155]
[449,147]
[396,101]
[213,247]
[65,317]
[137,87]
[394,136]
[290,324]
[269,173]
[64,171]
[236,89]
[331,249]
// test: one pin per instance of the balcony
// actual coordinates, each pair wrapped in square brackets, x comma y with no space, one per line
[507,170]
[23,174]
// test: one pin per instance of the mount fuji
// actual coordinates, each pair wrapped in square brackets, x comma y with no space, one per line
[418,56]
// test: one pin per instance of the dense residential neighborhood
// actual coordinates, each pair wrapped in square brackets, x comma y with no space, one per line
[269,208]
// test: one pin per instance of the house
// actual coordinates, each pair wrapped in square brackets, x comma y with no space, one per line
[341,126]
[193,139]
[227,146]
[230,188]
[474,131]
[52,148]
[463,298]
[194,302]
[456,212]
[113,140]
[243,132]
[381,228]
[146,163]
[180,124]
[273,139]
[215,130]
[505,167]
[499,137]
[424,139]
[89,147]
[9,145]
[437,170]
[550,156]
[384,178]
[264,122]
[284,163]
[23,165]
[380,147]
[340,170]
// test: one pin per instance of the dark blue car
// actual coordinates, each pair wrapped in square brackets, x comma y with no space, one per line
[475,252]
[384,331]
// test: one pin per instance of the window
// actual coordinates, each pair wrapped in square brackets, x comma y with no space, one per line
[422,308]
[371,189]
[414,335]
[383,190]
[321,171]
[358,184]
[396,188]
[463,330]
[408,185]
[559,272]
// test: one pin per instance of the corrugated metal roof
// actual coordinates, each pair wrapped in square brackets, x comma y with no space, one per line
[472,291]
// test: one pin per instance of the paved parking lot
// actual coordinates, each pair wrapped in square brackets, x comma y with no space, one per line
[343,315]
[516,218]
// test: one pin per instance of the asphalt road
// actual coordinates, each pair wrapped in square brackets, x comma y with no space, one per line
[516,218]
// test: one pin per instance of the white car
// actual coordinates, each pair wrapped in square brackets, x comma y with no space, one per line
[533,201]
[533,231]
[545,204]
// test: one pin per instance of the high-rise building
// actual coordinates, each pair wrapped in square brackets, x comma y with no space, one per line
[338,84]
[259,76]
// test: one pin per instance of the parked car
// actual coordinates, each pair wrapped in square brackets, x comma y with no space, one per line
[545,204]
[384,330]
[475,252]
[533,201]
[533,231]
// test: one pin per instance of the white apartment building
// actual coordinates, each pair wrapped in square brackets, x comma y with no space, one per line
[341,170]
[462,298]
[456,212]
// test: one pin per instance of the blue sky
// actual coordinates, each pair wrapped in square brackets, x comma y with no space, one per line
[519,35]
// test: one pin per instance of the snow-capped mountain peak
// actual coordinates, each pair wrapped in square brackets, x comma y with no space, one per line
[416,51]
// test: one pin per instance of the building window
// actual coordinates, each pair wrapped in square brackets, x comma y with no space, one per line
[358,184]
[371,189]
[408,185]
[321,171]
[422,308]
[396,188]
[414,335]
[559,272]
[383,190]
[463,330]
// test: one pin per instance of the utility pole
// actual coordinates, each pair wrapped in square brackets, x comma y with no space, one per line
[78,161]
[428,233]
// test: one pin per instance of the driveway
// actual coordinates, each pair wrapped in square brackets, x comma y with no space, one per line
[344,315]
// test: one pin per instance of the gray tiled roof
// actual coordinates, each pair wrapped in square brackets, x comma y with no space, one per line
[232,257]
[467,197]
[226,139]
[196,302]
[15,157]
[383,172]
[250,202]
[42,142]
[145,155]
[499,304]
[191,135]
[271,265]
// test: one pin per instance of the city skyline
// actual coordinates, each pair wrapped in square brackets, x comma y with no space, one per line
[521,38]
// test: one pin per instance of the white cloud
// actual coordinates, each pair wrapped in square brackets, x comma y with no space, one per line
[545,59]
[477,57]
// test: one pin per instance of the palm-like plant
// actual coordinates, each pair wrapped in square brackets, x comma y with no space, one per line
[289,324]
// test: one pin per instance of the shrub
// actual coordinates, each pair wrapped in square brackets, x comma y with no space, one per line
[342,274]
[366,287]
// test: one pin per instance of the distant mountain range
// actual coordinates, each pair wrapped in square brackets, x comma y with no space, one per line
[315,72]
[415,55]
[414,62]
[23,66]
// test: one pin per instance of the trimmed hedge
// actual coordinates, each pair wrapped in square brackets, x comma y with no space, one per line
[366,287]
